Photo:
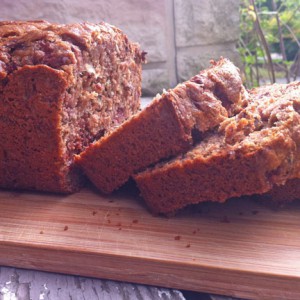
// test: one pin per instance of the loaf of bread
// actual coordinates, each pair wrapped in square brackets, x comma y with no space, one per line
[165,128]
[61,88]
[250,153]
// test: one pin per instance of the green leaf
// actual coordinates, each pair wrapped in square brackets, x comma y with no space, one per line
[250,60]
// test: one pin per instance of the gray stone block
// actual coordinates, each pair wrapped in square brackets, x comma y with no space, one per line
[206,22]
[154,81]
[191,60]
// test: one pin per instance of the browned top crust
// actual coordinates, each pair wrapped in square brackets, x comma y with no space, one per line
[39,42]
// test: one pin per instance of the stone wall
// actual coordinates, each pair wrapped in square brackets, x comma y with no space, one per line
[180,36]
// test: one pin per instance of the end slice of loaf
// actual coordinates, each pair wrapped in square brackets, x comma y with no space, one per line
[164,128]
[251,153]
[61,87]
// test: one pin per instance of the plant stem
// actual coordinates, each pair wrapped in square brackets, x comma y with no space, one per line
[251,76]
[263,42]
[292,33]
[281,42]
[256,69]
[297,64]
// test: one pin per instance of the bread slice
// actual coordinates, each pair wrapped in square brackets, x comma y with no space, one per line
[61,87]
[251,153]
[290,190]
[165,127]
[282,194]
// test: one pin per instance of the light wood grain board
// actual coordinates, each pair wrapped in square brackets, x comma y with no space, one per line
[241,248]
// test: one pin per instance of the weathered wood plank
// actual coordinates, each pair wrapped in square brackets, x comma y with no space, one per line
[20,284]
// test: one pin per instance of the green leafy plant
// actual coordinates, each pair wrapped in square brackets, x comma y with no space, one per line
[269,44]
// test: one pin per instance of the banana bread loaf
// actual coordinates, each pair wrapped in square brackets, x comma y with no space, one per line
[165,127]
[251,153]
[61,87]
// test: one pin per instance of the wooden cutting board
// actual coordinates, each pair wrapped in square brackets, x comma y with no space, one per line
[241,248]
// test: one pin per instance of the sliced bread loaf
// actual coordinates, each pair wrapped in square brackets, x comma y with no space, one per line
[165,128]
[251,153]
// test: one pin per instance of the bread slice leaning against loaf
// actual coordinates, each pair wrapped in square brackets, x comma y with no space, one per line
[61,87]
[165,127]
[250,153]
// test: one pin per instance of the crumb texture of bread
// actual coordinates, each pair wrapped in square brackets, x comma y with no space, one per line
[165,128]
[250,153]
[61,88]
